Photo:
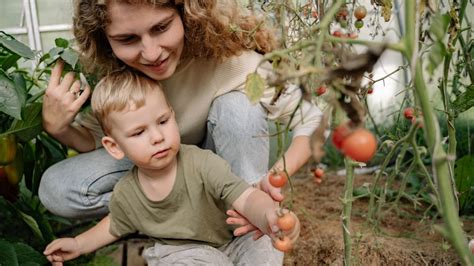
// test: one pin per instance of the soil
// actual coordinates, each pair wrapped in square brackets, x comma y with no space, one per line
[397,240]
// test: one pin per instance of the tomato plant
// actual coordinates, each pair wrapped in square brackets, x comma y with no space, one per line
[278,178]
[360,145]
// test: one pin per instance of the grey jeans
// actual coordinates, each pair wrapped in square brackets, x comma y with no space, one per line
[240,251]
[80,187]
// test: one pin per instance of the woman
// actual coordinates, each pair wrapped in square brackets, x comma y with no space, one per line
[201,51]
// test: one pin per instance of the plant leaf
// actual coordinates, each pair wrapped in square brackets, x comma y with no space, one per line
[436,56]
[31,223]
[464,177]
[464,101]
[16,47]
[10,102]
[439,26]
[7,254]
[254,87]
[30,126]
[28,256]
[70,56]
[60,42]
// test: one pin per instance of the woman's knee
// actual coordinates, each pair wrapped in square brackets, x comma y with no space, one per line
[234,114]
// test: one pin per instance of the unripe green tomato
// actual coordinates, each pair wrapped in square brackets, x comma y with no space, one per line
[14,170]
[7,149]
[359,24]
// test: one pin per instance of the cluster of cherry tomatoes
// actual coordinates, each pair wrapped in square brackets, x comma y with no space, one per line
[286,222]
[409,114]
[358,144]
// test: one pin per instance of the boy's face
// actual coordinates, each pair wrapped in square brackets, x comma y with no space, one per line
[149,135]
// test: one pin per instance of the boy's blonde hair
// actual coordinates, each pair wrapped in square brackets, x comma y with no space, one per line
[120,90]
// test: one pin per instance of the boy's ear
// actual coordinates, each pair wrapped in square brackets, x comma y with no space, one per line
[112,147]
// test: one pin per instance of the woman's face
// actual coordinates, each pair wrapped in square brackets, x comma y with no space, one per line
[146,38]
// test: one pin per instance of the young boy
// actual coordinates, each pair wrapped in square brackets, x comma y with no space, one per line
[176,193]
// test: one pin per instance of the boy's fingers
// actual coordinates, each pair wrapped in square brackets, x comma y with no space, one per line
[258,234]
[244,230]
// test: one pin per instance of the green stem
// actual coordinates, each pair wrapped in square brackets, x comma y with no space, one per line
[452,228]
[347,210]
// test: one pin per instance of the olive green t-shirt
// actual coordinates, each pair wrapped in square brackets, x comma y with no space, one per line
[193,212]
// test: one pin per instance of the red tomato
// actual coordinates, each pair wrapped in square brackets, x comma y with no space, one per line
[283,244]
[278,179]
[409,112]
[337,33]
[360,12]
[360,145]
[286,222]
[321,90]
[314,14]
[370,90]
[339,134]
[352,35]
[318,172]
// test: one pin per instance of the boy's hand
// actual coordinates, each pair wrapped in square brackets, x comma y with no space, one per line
[289,230]
[61,250]
[235,218]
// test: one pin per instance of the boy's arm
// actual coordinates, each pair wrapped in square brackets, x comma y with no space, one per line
[64,249]
[260,210]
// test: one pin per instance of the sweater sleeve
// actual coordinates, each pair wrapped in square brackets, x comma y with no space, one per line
[302,116]
[87,119]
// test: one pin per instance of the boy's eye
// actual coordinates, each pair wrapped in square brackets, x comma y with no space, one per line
[164,121]
[138,133]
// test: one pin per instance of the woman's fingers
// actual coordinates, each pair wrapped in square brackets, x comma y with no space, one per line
[56,74]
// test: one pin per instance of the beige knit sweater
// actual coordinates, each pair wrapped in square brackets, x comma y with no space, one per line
[197,82]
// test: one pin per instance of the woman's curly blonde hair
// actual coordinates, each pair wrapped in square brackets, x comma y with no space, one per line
[214,29]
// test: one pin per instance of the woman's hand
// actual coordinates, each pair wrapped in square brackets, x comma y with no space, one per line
[266,187]
[62,101]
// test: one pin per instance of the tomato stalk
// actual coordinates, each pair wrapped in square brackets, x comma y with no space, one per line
[347,209]
[440,161]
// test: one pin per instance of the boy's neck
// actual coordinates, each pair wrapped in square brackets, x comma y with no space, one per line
[157,184]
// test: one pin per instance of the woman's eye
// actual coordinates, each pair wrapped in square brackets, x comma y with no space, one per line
[127,39]
[161,28]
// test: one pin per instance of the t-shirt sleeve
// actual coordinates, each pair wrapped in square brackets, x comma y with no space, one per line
[120,224]
[223,184]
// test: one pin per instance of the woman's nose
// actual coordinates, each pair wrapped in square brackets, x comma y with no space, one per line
[151,49]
